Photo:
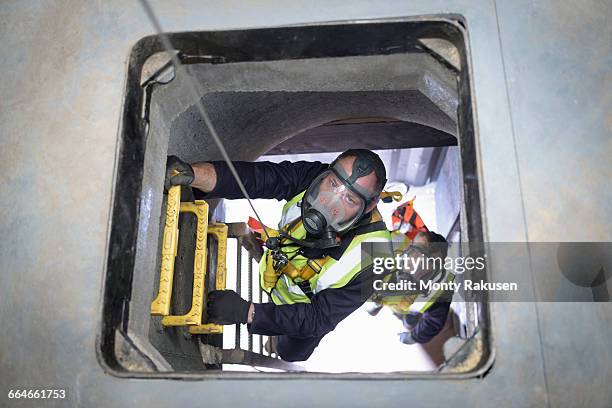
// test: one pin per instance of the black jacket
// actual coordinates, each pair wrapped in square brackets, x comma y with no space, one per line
[329,307]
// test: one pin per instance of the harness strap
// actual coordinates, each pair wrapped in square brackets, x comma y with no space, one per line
[314,266]
[374,226]
[305,287]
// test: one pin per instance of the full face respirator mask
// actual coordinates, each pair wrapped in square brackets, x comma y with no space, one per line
[334,202]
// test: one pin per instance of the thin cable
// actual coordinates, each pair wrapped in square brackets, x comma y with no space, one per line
[196,90]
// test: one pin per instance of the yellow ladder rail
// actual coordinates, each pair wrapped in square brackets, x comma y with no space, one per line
[161,304]
[194,316]
[219,232]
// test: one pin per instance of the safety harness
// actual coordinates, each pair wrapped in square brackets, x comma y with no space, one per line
[316,258]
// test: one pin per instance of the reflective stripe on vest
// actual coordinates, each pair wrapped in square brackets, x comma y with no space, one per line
[422,303]
[276,297]
[404,305]
[334,274]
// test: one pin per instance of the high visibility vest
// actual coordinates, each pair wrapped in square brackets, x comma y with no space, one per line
[333,273]
[415,304]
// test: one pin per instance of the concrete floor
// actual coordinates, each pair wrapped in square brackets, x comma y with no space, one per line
[540,75]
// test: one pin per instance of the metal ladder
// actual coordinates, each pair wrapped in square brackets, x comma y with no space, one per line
[192,320]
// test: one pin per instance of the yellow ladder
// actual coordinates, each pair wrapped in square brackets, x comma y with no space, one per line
[161,304]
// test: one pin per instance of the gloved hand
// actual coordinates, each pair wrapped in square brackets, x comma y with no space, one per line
[227,307]
[178,173]
[406,338]
[410,320]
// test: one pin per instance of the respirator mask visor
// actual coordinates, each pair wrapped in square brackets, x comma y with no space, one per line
[330,203]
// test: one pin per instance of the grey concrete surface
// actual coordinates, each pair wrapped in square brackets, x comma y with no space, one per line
[272,101]
[254,122]
[540,71]
[563,142]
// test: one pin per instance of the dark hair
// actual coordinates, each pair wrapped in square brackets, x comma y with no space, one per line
[436,238]
[374,160]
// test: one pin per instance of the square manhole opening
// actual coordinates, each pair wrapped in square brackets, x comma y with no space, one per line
[273,92]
